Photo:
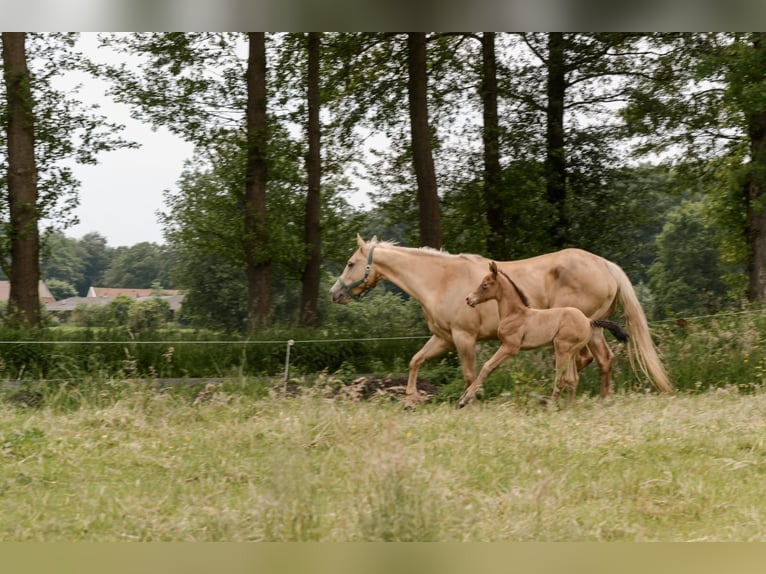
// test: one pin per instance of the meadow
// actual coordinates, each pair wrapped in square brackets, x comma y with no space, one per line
[112,450]
[123,461]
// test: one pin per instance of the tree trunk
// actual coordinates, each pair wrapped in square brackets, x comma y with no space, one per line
[312,233]
[258,261]
[555,160]
[24,300]
[422,156]
[756,189]
[490,139]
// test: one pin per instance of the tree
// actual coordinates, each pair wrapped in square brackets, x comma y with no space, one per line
[309,314]
[258,261]
[60,289]
[580,75]
[703,94]
[140,266]
[47,131]
[24,300]
[555,151]
[62,260]
[372,74]
[491,147]
[687,277]
[96,256]
[200,87]
[746,84]
[420,134]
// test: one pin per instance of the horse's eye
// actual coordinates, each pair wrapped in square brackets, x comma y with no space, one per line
[350,264]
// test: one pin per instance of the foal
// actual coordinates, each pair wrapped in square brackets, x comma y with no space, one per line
[522,327]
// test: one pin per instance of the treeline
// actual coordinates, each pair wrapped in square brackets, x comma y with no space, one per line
[649,149]
[71,266]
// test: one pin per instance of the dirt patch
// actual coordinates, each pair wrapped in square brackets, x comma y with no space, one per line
[365,387]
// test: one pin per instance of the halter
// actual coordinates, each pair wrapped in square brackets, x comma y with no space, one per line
[362,281]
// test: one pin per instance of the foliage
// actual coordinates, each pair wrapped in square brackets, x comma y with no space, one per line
[60,289]
[67,131]
[140,266]
[687,277]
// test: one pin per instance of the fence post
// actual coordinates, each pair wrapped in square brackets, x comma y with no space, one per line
[290,343]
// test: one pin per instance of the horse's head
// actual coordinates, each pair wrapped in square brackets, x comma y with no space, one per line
[486,290]
[359,276]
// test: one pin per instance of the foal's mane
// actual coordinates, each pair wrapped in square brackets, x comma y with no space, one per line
[518,289]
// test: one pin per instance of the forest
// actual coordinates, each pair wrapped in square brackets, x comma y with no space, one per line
[648,149]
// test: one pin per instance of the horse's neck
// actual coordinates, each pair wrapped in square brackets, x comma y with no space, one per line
[508,301]
[417,273]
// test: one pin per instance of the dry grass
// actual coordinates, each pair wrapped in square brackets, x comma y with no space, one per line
[153,466]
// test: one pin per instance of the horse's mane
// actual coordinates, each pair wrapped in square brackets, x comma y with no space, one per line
[518,289]
[429,250]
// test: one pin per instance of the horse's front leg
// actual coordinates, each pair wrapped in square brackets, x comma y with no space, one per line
[434,347]
[465,343]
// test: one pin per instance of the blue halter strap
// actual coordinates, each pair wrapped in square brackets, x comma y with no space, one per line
[363,280]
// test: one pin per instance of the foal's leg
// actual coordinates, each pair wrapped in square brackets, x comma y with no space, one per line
[503,353]
[434,346]
[604,357]
[574,378]
[567,352]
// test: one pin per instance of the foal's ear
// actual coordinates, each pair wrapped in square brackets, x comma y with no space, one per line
[493,267]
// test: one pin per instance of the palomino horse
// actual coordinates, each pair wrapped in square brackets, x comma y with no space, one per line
[440,280]
[522,327]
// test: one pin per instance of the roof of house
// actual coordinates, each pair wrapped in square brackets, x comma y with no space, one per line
[117,291]
[71,303]
[45,294]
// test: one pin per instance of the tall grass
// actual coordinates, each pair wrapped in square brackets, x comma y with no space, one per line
[721,350]
[226,464]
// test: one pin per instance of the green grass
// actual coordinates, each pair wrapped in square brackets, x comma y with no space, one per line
[131,463]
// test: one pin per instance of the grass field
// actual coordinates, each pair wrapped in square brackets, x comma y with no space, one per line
[133,463]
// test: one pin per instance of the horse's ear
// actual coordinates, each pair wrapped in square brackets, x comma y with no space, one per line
[359,241]
[493,267]
[374,239]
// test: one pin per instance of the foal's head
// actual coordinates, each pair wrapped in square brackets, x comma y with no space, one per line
[490,288]
[487,289]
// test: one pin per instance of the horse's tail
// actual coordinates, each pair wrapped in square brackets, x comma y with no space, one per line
[641,349]
[613,328]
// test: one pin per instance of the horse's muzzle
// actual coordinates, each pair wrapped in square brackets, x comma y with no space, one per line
[469,302]
[339,295]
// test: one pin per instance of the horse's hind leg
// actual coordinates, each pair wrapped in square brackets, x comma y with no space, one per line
[434,347]
[605,359]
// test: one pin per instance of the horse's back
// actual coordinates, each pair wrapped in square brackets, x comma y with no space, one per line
[568,278]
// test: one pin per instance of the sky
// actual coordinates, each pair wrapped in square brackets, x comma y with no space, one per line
[121,195]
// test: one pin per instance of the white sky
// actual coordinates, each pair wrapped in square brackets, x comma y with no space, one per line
[121,195]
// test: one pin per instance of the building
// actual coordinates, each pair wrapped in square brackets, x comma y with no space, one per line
[112,292]
[45,294]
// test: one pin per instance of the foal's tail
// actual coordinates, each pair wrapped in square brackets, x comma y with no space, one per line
[613,328]
[641,349]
